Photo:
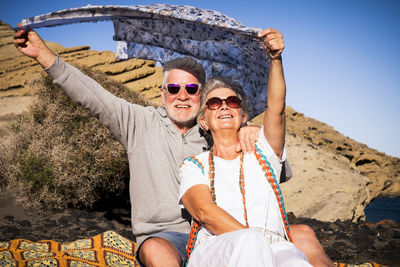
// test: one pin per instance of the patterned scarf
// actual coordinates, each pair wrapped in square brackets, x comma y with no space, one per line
[162,32]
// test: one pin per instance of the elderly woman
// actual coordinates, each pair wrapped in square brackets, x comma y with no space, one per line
[234,198]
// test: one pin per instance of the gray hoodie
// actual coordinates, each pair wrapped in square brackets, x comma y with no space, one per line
[154,145]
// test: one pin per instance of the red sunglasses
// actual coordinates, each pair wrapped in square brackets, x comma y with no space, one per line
[191,88]
[215,102]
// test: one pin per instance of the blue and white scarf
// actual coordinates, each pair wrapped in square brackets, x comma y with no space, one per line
[162,32]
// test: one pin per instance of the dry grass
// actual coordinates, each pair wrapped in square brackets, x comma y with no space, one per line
[62,156]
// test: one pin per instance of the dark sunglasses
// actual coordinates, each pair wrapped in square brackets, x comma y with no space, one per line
[191,88]
[216,102]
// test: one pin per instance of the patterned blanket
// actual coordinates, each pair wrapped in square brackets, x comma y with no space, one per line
[368,264]
[106,249]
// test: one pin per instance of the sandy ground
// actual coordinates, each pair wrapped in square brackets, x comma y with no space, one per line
[62,226]
[343,241]
[9,207]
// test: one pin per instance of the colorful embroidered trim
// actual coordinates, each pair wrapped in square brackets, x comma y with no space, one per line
[192,240]
[269,174]
[195,225]
[196,162]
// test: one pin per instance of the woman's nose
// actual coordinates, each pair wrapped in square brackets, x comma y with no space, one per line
[224,105]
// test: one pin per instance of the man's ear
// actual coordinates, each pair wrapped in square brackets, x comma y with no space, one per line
[203,123]
[163,96]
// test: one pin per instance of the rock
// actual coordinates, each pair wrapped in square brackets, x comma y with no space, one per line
[382,171]
[9,218]
[10,231]
[335,193]
[50,223]
[379,245]
[24,223]
[396,233]
[371,230]
[334,177]
[333,227]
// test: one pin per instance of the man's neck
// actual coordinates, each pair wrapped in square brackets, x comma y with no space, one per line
[184,130]
[184,127]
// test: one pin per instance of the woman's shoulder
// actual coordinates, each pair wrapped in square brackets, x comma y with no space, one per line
[200,160]
[200,157]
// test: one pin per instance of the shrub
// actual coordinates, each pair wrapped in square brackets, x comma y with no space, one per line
[63,156]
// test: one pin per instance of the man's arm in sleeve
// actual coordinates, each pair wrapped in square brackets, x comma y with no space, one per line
[114,112]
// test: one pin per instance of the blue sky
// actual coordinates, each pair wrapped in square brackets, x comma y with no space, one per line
[342,62]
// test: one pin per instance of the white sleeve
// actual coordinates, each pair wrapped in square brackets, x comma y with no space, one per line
[191,174]
[272,158]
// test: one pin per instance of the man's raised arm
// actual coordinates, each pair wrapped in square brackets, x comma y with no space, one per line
[83,90]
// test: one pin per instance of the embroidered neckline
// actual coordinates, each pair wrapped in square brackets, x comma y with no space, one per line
[275,187]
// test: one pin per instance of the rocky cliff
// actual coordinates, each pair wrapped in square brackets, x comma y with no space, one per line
[334,177]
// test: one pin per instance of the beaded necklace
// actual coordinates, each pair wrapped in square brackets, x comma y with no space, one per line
[268,175]
[211,174]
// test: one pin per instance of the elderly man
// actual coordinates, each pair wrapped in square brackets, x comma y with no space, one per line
[156,141]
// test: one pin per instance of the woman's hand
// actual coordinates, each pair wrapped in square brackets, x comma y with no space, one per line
[273,42]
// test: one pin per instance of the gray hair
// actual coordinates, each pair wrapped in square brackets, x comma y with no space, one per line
[221,82]
[187,64]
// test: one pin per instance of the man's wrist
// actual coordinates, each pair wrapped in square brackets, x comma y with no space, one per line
[46,58]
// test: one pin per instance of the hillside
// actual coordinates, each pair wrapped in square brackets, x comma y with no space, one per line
[334,177]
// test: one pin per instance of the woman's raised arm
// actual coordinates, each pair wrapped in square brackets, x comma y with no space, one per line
[274,116]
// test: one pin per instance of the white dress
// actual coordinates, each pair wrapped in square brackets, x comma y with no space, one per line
[247,247]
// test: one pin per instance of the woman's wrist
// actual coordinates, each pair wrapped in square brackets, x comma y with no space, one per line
[276,59]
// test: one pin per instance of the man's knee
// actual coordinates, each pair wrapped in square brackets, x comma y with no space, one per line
[159,252]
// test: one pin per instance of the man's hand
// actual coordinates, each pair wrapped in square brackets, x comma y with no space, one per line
[248,137]
[29,43]
[273,42]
